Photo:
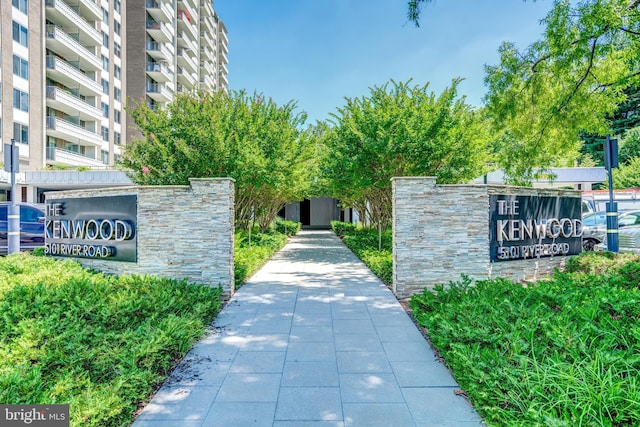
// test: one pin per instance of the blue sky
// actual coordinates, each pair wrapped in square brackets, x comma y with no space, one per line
[317,52]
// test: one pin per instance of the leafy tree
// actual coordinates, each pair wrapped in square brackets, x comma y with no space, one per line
[627,175]
[629,145]
[567,83]
[400,129]
[625,118]
[248,138]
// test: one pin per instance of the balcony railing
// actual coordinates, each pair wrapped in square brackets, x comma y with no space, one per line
[159,31]
[159,50]
[72,132]
[159,10]
[89,35]
[72,104]
[70,75]
[72,158]
[71,47]
[89,7]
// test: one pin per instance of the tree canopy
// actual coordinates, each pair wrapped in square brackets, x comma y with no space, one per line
[568,83]
[246,137]
[399,129]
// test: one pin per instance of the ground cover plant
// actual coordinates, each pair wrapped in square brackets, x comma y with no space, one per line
[562,352]
[253,249]
[372,247]
[99,343]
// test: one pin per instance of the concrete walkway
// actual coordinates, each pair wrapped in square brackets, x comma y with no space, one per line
[313,339]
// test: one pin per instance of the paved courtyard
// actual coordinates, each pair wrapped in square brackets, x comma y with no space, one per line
[313,339]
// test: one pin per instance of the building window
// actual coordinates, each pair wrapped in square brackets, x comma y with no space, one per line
[20,100]
[20,34]
[21,5]
[105,40]
[105,87]
[116,6]
[116,27]
[105,63]
[117,93]
[105,133]
[116,72]
[116,116]
[21,133]
[105,110]
[116,49]
[105,15]
[20,67]
[105,157]
[116,138]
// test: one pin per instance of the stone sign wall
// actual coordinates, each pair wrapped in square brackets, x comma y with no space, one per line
[443,231]
[180,232]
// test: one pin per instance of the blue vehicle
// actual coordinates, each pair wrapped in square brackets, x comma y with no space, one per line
[31,227]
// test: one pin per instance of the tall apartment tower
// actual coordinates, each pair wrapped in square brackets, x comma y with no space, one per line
[68,68]
[173,47]
[61,80]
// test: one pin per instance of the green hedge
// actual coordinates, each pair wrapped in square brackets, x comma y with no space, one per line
[252,251]
[290,228]
[364,242]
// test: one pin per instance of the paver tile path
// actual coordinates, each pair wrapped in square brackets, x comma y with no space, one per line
[313,339]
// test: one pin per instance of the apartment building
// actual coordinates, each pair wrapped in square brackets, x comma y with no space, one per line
[69,67]
[173,47]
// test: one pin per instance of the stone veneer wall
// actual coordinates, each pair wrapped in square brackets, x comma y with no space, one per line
[182,231]
[442,231]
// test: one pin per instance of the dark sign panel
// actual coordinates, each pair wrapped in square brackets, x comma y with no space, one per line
[525,227]
[92,227]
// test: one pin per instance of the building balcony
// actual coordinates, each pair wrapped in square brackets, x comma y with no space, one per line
[90,10]
[207,83]
[206,39]
[206,53]
[190,9]
[208,68]
[159,31]
[222,57]
[223,67]
[159,51]
[184,41]
[222,79]
[222,36]
[186,78]
[71,158]
[70,49]
[65,73]
[185,60]
[159,72]
[63,15]
[160,11]
[71,132]
[187,24]
[159,92]
[72,105]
